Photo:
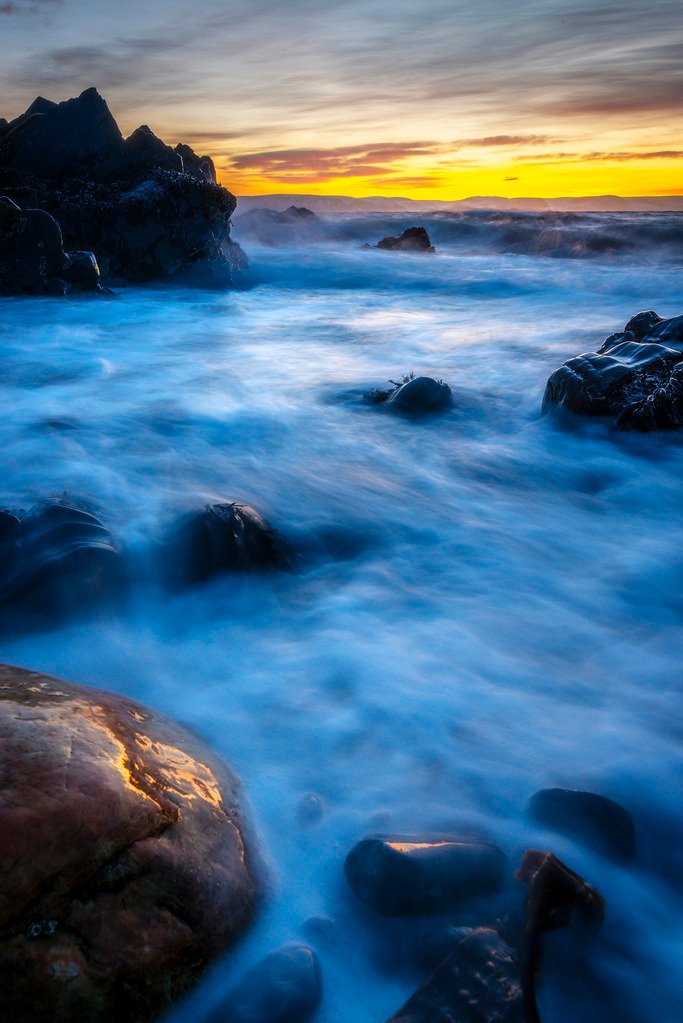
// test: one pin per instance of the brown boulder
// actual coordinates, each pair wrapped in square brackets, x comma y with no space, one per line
[122,855]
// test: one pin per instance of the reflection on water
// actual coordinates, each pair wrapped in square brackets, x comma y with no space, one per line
[512,619]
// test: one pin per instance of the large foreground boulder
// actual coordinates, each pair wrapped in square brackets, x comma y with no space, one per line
[636,377]
[145,209]
[122,852]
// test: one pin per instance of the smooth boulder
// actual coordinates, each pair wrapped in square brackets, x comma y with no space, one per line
[421,396]
[284,987]
[123,848]
[479,982]
[599,822]
[635,377]
[397,875]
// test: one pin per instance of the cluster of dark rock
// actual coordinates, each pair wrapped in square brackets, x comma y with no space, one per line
[58,559]
[81,200]
[635,378]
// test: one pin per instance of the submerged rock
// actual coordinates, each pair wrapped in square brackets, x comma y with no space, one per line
[479,982]
[285,987]
[413,239]
[226,537]
[634,377]
[295,225]
[596,820]
[146,210]
[415,396]
[415,874]
[123,850]
[54,560]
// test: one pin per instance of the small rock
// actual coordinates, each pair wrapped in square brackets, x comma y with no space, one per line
[413,239]
[420,396]
[411,875]
[284,987]
[596,820]
[310,809]
[226,537]
[479,982]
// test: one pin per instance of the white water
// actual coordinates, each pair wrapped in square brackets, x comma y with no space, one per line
[510,618]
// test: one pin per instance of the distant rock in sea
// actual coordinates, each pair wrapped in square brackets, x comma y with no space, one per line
[413,239]
[414,396]
[146,210]
[635,377]
[295,225]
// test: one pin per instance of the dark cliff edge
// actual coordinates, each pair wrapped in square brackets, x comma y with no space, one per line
[139,209]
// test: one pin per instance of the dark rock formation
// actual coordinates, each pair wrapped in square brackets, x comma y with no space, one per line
[227,537]
[413,239]
[635,377]
[285,987]
[557,898]
[123,854]
[596,820]
[396,875]
[415,396]
[145,209]
[53,561]
[477,983]
[32,256]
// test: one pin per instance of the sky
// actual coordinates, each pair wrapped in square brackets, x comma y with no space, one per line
[433,99]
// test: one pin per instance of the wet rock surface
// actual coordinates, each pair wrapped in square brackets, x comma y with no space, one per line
[599,822]
[413,239]
[415,874]
[477,983]
[635,377]
[284,987]
[55,560]
[414,396]
[123,854]
[146,210]
[224,537]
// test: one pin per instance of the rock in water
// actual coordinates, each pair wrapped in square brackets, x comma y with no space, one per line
[594,819]
[122,851]
[413,239]
[414,874]
[420,396]
[227,537]
[634,377]
[479,982]
[285,987]
[55,560]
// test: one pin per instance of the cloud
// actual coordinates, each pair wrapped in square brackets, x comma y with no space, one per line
[370,160]
[510,179]
[509,140]
[11,7]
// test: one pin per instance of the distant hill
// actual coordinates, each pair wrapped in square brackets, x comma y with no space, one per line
[382,204]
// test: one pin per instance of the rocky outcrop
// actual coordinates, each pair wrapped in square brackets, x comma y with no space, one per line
[146,210]
[125,865]
[635,377]
[296,225]
[413,239]
[414,874]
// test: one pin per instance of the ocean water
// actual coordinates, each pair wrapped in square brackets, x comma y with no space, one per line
[495,606]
